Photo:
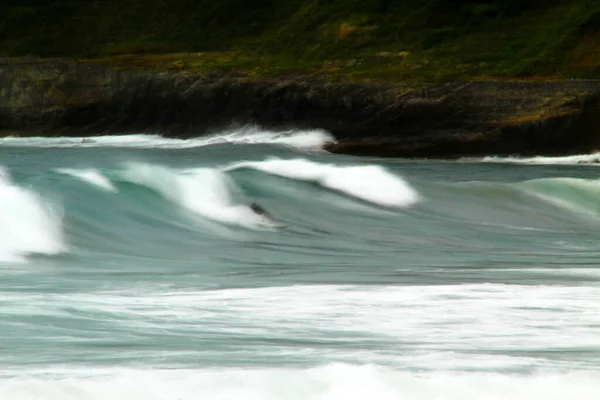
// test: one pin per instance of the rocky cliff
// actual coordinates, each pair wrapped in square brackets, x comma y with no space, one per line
[454,119]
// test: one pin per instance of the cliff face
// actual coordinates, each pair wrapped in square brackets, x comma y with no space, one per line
[526,118]
[61,98]
[70,97]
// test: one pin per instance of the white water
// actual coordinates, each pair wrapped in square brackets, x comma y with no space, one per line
[308,139]
[205,191]
[329,382]
[586,159]
[27,224]
[91,176]
[414,342]
[450,328]
[370,183]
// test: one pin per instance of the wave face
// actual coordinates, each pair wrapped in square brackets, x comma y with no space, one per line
[138,267]
[579,195]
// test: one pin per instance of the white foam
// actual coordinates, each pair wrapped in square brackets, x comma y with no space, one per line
[90,176]
[447,328]
[139,140]
[27,224]
[204,191]
[584,159]
[303,139]
[371,183]
[329,382]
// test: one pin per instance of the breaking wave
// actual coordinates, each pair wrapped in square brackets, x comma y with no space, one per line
[302,139]
[584,159]
[370,183]
[207,192]
[28,224]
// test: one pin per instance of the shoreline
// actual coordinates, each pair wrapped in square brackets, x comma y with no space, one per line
[62,97]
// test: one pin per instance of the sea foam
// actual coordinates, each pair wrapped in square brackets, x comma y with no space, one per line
[585,159]
[302,139]
[27,224]
[489,328]
[328,382]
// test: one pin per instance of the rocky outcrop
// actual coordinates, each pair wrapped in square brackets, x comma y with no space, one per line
[525,118]
[453,119]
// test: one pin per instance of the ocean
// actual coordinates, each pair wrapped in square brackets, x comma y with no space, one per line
[132,267]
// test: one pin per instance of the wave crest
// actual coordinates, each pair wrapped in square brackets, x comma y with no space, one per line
[591,159]
[91,176]
[207,192]
[302,139]
[371,183]
[579,195]
[28,225]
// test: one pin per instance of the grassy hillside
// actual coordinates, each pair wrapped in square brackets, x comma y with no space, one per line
[350,39]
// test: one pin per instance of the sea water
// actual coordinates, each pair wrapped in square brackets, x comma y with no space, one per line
[133,268]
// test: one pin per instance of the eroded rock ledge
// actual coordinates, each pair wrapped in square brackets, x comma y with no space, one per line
[454,119]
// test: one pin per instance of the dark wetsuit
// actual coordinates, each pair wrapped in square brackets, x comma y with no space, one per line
[260,211]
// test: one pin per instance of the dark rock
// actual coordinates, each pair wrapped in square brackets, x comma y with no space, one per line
[454,119]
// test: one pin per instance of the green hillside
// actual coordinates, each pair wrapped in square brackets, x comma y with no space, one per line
[366,39]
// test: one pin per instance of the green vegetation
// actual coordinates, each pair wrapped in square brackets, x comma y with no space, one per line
[341,39]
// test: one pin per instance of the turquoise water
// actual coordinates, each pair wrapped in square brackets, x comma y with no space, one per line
[132,267]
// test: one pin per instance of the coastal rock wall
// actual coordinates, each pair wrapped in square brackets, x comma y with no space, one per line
[458,118]
[99,99]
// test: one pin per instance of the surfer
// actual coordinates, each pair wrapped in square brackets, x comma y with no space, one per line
[261,211]
[268,221]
